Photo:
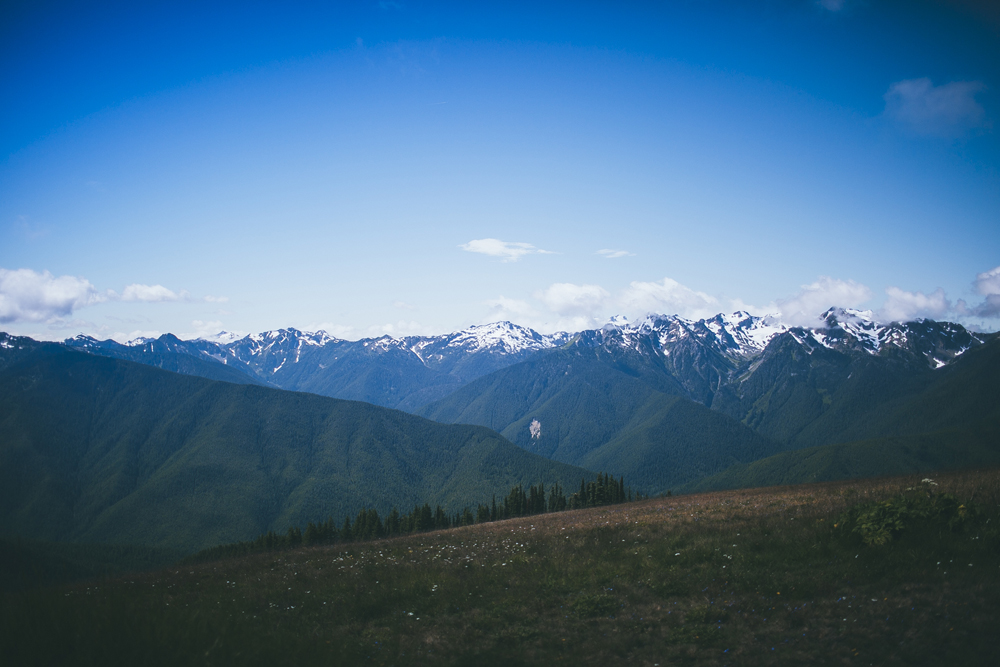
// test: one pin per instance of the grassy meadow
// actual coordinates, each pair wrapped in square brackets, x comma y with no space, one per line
[751,577]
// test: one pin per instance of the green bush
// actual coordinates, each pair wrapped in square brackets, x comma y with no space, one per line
[878,522]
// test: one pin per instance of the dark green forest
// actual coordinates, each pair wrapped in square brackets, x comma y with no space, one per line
[369,525]
[108,451]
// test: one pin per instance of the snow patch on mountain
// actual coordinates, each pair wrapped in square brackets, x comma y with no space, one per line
[501,336]
[223,337]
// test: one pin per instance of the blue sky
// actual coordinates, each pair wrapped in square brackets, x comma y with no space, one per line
[405,167]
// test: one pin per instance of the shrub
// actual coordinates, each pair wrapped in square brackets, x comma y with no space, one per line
[878,522]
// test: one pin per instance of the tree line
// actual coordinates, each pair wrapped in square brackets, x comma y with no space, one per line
[369,525]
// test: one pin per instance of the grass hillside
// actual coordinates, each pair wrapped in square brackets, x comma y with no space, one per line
[758,577]
[592,409]
[94,449]
[28,564]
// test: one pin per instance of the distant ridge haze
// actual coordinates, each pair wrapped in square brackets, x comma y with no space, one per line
[409,372]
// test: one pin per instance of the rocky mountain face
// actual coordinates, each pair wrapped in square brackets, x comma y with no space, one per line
[393,372]
[721,362]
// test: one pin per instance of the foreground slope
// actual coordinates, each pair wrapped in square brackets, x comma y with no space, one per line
[94,449]
[759,577]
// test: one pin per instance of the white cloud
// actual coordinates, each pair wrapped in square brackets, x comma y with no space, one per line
[122,337]
[610,253]
[400,329]
[572,307]
[28,296]
[561,307]
[216,299]
[990,307]
[503,308]
[667,297]
[570,299]
[804,308]
[509,252]
[903,306]
[202,329]
[402,305]
[342,331]
[150,293]
[988,282]
[947,110]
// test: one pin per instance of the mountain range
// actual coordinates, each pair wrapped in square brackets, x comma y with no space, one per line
[403,373]
[704,357]
[238,435]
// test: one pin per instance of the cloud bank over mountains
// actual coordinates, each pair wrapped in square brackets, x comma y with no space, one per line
[27,296]
[570,307]
[40,297]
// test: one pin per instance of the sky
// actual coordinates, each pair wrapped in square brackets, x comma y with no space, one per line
[403,168]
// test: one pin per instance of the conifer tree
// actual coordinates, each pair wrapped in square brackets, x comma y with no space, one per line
[345,531]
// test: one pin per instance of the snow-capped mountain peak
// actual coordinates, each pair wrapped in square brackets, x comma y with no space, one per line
[503,336]
[223,337]
[136,342]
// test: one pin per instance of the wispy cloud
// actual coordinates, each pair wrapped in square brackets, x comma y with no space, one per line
[399,329]
[571,299]
[216,299]
[40,297]
[610,253]
[576,314]
[29,296]
[506,250]
[988,285]
[667,296]
[123,337]
[203,329]
[804,308]
[903,306]
[948,110]
[573,307]
[151,293]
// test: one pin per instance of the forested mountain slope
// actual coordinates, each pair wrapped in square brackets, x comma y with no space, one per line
[94,449]
[952,421]
[583,404]
[820,387]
